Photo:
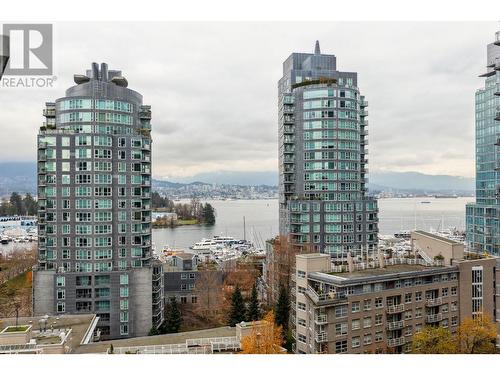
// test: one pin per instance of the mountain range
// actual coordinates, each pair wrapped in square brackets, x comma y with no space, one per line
[21,177]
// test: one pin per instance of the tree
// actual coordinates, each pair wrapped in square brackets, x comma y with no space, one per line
[253,307]
[283,308]
[265,337]
[208,289]
[477,335]
[208,214]
[173,319]
[433,340]
[17,203]
[237,312]
[30,204]
[153,331]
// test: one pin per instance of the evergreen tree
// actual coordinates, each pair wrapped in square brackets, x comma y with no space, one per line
[208,214]
[153,331]
[173,319]
[17,204]
[237,312]
[283,309]
[253,308]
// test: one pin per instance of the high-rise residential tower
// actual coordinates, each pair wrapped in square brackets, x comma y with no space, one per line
[323,158]
[94,207]
[483,216]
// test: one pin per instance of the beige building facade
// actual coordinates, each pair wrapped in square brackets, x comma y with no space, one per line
[378,309]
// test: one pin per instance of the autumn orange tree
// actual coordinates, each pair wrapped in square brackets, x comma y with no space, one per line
[477,336]
[264,338]
[433,340]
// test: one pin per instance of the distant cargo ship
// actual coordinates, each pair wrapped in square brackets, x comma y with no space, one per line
[446,196]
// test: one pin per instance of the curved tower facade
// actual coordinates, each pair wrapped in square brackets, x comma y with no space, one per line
[94,189]
[323,158]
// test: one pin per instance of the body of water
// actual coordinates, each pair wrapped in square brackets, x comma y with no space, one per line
[261,218]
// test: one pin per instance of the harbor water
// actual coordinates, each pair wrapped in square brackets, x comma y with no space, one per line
[261,216]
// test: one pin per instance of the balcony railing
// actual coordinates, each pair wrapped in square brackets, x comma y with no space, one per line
[395,325]
[395,309]
[321,337]
[321,319]
[324,297]
[396,342]
[431,302]
[434,318]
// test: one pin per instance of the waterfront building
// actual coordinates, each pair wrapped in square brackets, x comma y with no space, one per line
[378,307]
[483,216]
[94,208]
[323,140]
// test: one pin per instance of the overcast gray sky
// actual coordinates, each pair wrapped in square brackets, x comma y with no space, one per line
[213,89]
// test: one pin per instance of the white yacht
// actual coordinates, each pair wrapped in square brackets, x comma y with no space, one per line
[204,244]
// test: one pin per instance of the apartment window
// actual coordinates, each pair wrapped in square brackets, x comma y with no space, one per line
[124,292]
[418,296]
[454,321]
[445,308]
[367,339]
[61,307]
[60,281]
[408,282]
[408,297]
[367,322]
[418,312]
[453,276]
[355,324]
[341,311]
[341,347]
[301,322]
[355,342]
[379,303]
[183,299]
[194,299]
[379,336]
[408,330]
[124,304]
[454,306]
[408,314]
[367,304]
[123,329]
[356,307]
[123,316]
[301,338]
[378,319]
[301,306]
[418,327]
[123,279]
[477,290]
[445,292]
[453,290]
[61,294]
[341,329]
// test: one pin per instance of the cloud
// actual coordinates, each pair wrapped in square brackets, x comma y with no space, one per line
[213,88]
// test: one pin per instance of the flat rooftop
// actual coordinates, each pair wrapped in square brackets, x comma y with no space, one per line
[78,323]
[172,338]
[388,270]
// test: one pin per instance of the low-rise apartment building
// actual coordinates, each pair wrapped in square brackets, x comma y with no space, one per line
[377,307]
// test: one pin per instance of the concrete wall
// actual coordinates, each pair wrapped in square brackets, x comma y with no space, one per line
[43,293]
[140,284]
[433,245]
